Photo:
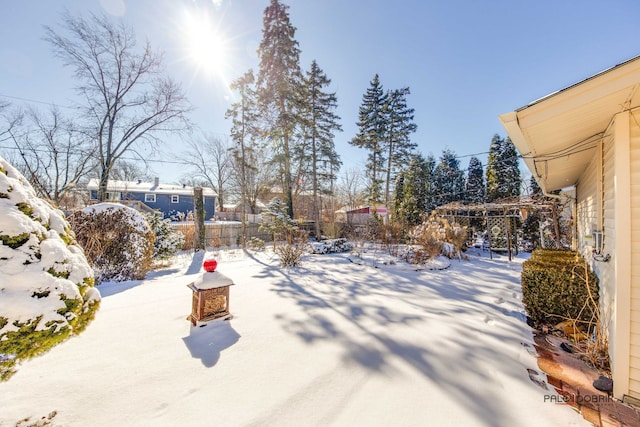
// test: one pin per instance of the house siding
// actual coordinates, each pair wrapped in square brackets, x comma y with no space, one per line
[163,203]
[588,202]
[634,351]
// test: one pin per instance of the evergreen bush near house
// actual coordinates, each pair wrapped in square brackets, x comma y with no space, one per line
[554,288]
[117,240]
[46,283]
[330,246]
[255,244]
[168,240]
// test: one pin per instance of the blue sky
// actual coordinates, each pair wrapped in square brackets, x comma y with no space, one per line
[466,61]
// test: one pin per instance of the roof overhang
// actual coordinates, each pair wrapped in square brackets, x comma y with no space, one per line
[557,135]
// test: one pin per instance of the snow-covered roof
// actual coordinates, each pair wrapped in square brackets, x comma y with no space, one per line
[148,187]
[232,204]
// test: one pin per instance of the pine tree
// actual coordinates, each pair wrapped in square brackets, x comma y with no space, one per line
[320,122]
[503,172]
[475,182]
[494,169]
[534,188]
[430,190]
[276,221]
[410,202]
[399,128]
[448,180]
[243,121]
[511,168]
[278,83]
[371,135]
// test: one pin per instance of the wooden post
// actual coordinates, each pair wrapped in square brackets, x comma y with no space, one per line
[508,234]
[198,211]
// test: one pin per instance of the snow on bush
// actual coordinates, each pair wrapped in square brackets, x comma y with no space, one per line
[330,246]
[255,244]
[46,283]
[436,236]
[168,240]
[117,239]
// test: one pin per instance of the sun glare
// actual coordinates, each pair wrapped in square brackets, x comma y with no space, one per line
[206,47]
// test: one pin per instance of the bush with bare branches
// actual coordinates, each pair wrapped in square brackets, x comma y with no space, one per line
[117,241]
[437,236]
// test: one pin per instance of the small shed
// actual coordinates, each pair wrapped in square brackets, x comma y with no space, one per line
[210,298]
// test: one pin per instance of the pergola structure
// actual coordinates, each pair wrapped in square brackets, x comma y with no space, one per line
[500,220]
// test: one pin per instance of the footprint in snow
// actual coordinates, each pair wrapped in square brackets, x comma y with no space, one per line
[537,379]
[500,300]
[489,320]
[530,349]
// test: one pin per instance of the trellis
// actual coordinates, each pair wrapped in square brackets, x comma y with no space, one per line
[501,220]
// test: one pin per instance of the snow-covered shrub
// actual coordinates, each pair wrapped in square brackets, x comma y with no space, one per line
[330,246]
[413,254]
[437,237]
[117,240]
[255,244]
[168,240]
[46,283]
[277,222]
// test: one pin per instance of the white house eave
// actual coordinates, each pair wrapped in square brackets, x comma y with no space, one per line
[557,135]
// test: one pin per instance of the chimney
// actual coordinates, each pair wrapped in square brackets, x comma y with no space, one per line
[156,182]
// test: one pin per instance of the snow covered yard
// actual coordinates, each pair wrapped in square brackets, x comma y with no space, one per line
[331,342]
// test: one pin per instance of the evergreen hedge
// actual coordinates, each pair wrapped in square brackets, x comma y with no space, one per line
[554,287]
[46,284]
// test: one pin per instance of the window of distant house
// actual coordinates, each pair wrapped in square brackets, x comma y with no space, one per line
[114,195]
[150,198]
[175,198]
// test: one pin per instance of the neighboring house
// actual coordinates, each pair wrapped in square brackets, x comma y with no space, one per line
[236,206]
[587,136]
[174,201]
[362,214]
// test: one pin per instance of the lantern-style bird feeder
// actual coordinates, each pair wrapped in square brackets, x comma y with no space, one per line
[210,299]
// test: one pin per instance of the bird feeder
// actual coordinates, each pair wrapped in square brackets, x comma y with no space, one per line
[210,299]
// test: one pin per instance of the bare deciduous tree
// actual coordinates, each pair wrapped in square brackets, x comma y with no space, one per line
[51,154]
[351,189]
[210,162]
[128,101]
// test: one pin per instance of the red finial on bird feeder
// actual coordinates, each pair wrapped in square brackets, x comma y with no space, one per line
[210,265]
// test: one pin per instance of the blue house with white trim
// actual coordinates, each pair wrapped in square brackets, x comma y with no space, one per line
[174,201]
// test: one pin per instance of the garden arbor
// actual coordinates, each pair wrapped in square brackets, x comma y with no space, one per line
[502,223]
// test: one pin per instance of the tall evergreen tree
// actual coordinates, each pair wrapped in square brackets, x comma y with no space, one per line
[411,196]
[534,188]
[448,180]
[278,81]
[511,168]
[399,128]
[503,172]
[371,136]
[475,182]
[430,188]
[494,169]
[319,124]
[243,119]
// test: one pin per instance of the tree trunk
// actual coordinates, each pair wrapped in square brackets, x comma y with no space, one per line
[198,208]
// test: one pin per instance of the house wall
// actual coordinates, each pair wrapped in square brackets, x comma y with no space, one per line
[608,200]
[634,157]
[184,206]
[164,204]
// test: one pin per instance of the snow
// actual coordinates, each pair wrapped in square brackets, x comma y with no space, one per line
[331,342]
[136,218]
[40,264]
